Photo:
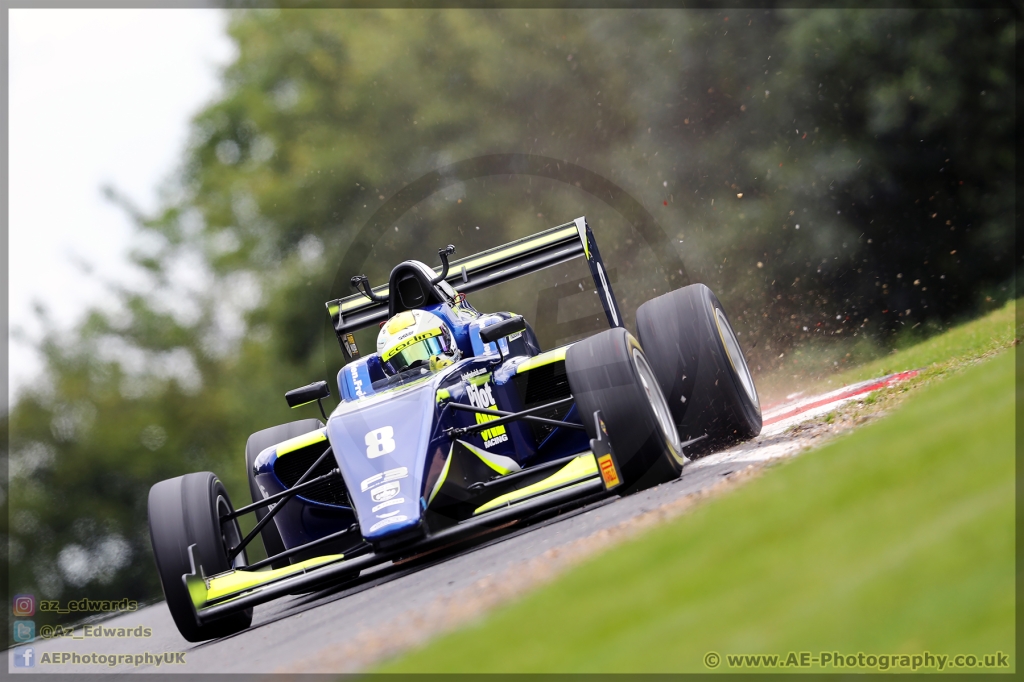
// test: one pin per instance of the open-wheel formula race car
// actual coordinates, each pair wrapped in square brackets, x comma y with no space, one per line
[459,423]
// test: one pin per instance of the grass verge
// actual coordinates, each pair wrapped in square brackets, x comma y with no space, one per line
[897,539]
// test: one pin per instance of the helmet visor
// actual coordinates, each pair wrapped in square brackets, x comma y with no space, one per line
[418,353]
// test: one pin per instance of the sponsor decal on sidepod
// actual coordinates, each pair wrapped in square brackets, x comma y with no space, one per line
[466,376]
[483,397]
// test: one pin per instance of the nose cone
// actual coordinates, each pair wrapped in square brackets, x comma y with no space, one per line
[381,449]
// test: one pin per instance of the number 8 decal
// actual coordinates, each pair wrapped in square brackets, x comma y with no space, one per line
[380,442]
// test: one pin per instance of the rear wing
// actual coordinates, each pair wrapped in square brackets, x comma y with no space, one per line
[486,269]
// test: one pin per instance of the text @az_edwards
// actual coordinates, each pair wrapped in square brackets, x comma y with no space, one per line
[840,661]
[94,632]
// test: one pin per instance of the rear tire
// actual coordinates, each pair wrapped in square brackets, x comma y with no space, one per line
[186,511]
[257,443]
[609,372]
[700,366]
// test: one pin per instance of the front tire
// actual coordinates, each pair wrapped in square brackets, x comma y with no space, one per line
[609,372]
[186,511]
[257,443]
[700,366]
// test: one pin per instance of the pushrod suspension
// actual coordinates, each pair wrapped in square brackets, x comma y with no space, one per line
[281,495]
[287,495]
[505,417]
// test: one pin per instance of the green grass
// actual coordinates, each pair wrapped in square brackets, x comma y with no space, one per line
[896,539]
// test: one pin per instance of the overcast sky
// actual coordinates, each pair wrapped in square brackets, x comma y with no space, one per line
[96,97]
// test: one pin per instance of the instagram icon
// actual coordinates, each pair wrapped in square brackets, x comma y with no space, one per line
[24,605]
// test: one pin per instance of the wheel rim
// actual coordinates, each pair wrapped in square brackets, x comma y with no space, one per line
[230,533]
[735,355]
[654,396]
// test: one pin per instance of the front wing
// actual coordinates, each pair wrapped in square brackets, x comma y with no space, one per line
[232,591]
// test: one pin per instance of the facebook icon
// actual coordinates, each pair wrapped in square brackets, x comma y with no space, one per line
[24,657]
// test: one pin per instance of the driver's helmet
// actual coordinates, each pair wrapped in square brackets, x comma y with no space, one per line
[415,338]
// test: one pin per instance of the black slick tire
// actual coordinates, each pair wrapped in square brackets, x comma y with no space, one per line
[700,366]
[186,511]
[257,443]
[609,372]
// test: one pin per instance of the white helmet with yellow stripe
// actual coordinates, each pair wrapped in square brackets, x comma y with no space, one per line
[415,338]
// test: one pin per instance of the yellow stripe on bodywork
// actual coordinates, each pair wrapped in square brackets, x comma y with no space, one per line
[442,394]
[584,466]
[515,250]
[581,226]
[545,358]
[234,582]
[443,476]
[501,464]
[299,442]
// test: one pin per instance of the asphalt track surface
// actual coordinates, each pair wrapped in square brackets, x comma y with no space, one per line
[392,607]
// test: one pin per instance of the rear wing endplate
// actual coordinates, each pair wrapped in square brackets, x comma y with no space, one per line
[486,269]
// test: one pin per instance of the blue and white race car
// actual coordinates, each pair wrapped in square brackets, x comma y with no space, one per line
[458,423]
